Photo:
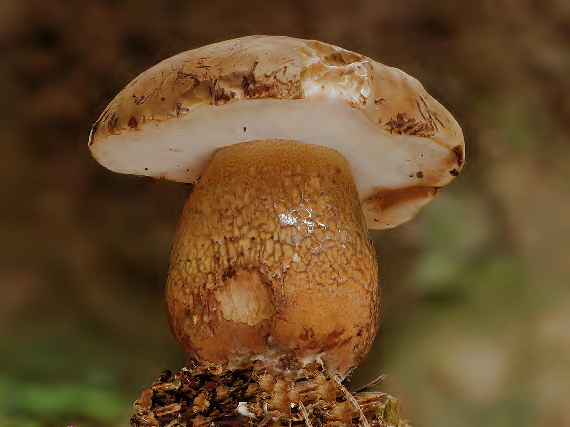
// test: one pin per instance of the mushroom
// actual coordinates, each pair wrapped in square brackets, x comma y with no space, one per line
[296,148]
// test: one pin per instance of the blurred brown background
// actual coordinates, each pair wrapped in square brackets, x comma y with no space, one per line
[476,308]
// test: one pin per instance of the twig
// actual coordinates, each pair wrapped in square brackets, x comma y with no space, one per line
[265,420]
[352,400]
[371,384]
[305,414]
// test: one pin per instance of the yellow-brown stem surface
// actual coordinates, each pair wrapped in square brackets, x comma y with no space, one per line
[272,257]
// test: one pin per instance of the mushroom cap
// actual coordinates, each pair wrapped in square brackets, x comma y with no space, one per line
[401,144]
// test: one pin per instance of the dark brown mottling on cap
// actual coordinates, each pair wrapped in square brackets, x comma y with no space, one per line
[253,69]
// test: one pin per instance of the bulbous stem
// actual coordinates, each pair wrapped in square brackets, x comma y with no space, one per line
[272,257]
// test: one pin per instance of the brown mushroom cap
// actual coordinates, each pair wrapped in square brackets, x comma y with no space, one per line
[401,144]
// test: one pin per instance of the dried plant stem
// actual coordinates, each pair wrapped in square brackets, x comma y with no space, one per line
[305,414]
[371,384]
[352,400]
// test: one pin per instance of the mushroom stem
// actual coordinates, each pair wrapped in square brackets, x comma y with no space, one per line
[272,257]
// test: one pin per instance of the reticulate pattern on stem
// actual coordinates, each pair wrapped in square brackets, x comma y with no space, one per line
[272,256]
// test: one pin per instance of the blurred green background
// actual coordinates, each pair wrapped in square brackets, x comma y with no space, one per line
[476,296]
